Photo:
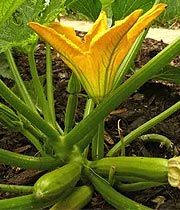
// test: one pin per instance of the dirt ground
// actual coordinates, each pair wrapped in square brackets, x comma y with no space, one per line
[150,100]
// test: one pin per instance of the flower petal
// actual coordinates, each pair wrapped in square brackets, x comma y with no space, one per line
[111,47]
[104,48]
[66,48]
[79,62]
[146,19]
[69,32]
[100,25]
[128,40]
[59,41]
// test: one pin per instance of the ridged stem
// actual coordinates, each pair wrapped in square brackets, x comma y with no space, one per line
[28,162]
[113,197]
[98,143]
[52,134]
[20,189]
[38,87]
[19,82]
[49,84]
[143,128]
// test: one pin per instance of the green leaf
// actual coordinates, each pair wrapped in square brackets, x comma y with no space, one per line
[169,73]
[4,68]
[15,32]
[171,13]
[106,3]
[7,7]
[52,10]
[122,8]
[90,8]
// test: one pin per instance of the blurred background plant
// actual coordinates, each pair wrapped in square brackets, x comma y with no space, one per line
[169,19]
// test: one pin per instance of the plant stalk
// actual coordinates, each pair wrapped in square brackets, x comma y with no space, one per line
[143,128]
[28,162]
[120,94]
[19,82]
[50,88]
[20,189]
[131,187]
[98,143]
[52,134]
[113,197]
[38,87]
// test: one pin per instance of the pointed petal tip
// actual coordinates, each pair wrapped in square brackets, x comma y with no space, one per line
[158,7]
[33,25]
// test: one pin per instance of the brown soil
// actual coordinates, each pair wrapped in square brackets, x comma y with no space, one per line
[150,100]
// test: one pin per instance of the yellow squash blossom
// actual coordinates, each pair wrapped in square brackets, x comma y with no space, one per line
[96,59]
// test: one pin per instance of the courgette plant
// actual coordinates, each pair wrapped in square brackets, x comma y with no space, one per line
[73,157]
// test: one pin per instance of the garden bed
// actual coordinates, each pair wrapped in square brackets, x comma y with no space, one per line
[151,99]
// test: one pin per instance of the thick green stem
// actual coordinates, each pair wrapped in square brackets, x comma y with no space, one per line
[143,128]
[114,198]
[137,186]
[19,82]
[70,112]
[34,118]
[38,87]
[50,88]
[89,107]
[28,162]
[98,143]
[83,145]
[34,141]
[123,92]
[162,140]
[20,189]
[73,89]
[13,122]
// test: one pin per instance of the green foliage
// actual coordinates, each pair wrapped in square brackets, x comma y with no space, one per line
[4,68]
[52,11]
[171,13]
[69,146]
[169,73]
[106,3]
[90,8]
[118,9]
[7,7]
[14,32]
[122,8]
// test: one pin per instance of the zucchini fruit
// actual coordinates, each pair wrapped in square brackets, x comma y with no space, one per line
[25,202]
[133,168]
[53,184]
[77,199]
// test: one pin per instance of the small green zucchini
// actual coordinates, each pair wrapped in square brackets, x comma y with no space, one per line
[77,199]
[136,168]
[25,202]
[53,184]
